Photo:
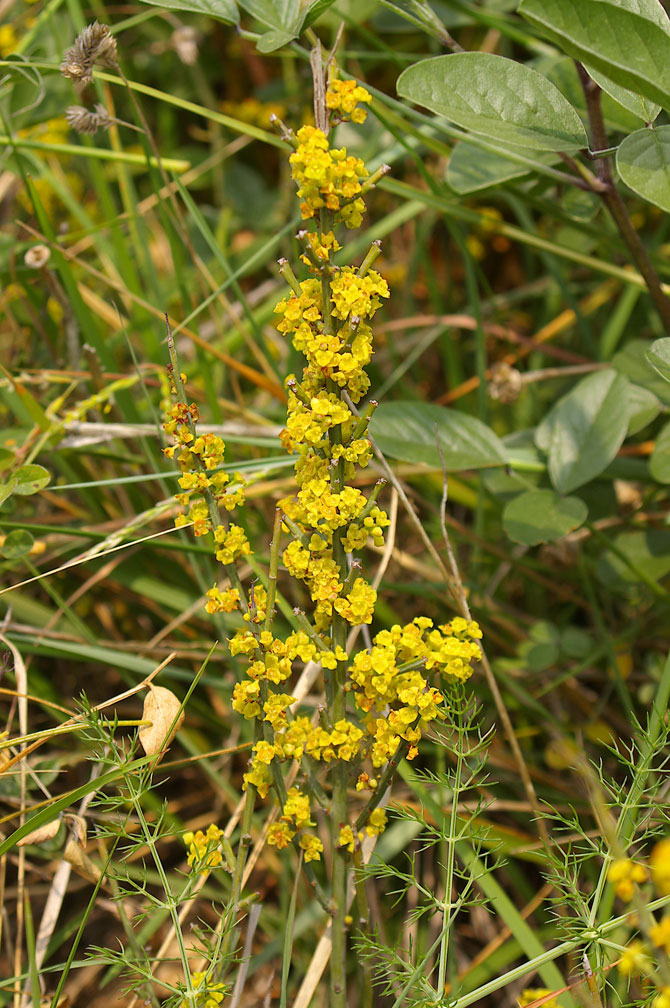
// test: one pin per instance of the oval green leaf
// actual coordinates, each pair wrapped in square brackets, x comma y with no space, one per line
[17,544]
[627,40]
[283,15]
[658,356]
[585,429]
[634,362]
[31,479]
[643,406]
[638,106]
[472,168]
[411,431]
[542,516]
[643,162]
[7,489]
[497,98]
[222,10]
[659,463]
[637,558]
[314,11]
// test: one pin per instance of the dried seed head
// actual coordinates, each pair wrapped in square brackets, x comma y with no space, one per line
[94,44]
[185,44]
[37,256]
[84,121]
[505,383]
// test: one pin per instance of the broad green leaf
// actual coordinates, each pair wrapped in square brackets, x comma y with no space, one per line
[640,107]
[620,38]
[576,643]
[643,162]
[644,407]
[283,15]
[411,431]
[472,168]
[580,205]
[562,72]
[633,361]
[496,97]
[541,648]
[638,557]
[658,356]
[17,544]
[314,11]
[276,39]
[542,516]
[223,10]
[659,463]
[585,429]
[7,489]
[30,479]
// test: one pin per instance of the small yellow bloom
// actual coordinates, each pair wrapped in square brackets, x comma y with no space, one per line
[204,848]
[533,994]
[660,867]
[662,999]
[660,934]
[625,874]
[634,961]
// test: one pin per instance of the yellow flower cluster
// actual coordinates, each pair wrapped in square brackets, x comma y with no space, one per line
[376,824]
[343,98]
[385,696]
[203,848]
[296,815]
[209,995]
[203,482]
[647,956]
[327,177]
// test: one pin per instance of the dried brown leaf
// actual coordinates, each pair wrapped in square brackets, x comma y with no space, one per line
[162,708]
[80,861]
[41,834]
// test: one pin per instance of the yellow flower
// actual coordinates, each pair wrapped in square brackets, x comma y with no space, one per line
[624,875]
[346,839]
[357,296]
[343,97]
[660,934]
[634,960]
[208,994]
[659,863]
[8,40]
[280,835]
[226,601]
[662,999]
[204,848]
[312,847]
[532,994]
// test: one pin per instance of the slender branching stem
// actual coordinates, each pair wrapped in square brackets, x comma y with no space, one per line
[611,197]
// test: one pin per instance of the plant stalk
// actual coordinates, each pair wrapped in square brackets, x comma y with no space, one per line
[611,197]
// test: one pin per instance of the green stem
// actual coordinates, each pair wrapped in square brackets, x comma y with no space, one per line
[337,712]
[274,567]
[448,908]
[225,941]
